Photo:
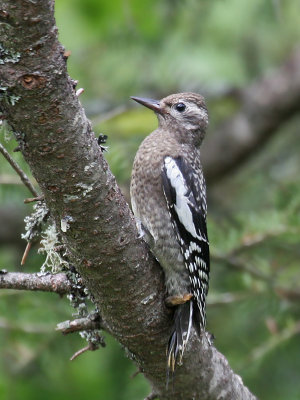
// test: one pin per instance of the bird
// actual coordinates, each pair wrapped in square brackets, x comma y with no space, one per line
[168,198]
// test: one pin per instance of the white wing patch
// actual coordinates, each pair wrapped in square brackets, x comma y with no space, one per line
[182,205]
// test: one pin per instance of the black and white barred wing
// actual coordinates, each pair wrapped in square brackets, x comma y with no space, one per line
[185,194]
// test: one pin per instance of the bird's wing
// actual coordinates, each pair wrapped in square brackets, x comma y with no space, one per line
[185,195]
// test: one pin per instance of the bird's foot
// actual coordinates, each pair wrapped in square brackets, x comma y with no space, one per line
[173,301]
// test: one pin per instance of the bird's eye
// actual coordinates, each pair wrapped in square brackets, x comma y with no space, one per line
[180,107]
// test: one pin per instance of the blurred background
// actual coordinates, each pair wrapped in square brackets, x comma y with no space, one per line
[153,48]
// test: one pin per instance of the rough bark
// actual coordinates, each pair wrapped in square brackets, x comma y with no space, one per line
[80,324]
[57,283]
[56,139]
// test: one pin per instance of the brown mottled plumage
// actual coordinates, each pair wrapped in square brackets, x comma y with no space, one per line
[168,197]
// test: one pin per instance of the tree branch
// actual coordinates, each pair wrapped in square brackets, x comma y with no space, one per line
[19,171]
[77,325]
[89,347]
[41,106]
[265,107]
[57,283]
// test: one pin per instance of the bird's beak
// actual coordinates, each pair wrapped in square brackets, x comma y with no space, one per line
[150,103]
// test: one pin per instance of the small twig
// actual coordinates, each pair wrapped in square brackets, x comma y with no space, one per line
[20,172]
[79,92]
[138,371]
[77,325]
[152,396]
[32,199]
[27,249]
[90,346]
[57,283]
[67,53]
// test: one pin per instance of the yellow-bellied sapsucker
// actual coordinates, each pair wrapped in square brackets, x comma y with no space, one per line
[168,197]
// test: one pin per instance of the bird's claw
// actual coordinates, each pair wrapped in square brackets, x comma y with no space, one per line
[172,301]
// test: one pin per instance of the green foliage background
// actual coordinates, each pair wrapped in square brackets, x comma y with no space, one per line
[154,48]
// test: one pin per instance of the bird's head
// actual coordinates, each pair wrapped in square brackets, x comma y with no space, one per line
[185,113]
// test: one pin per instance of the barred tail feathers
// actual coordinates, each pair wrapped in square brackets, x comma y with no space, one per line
[199,317]
[183,319]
